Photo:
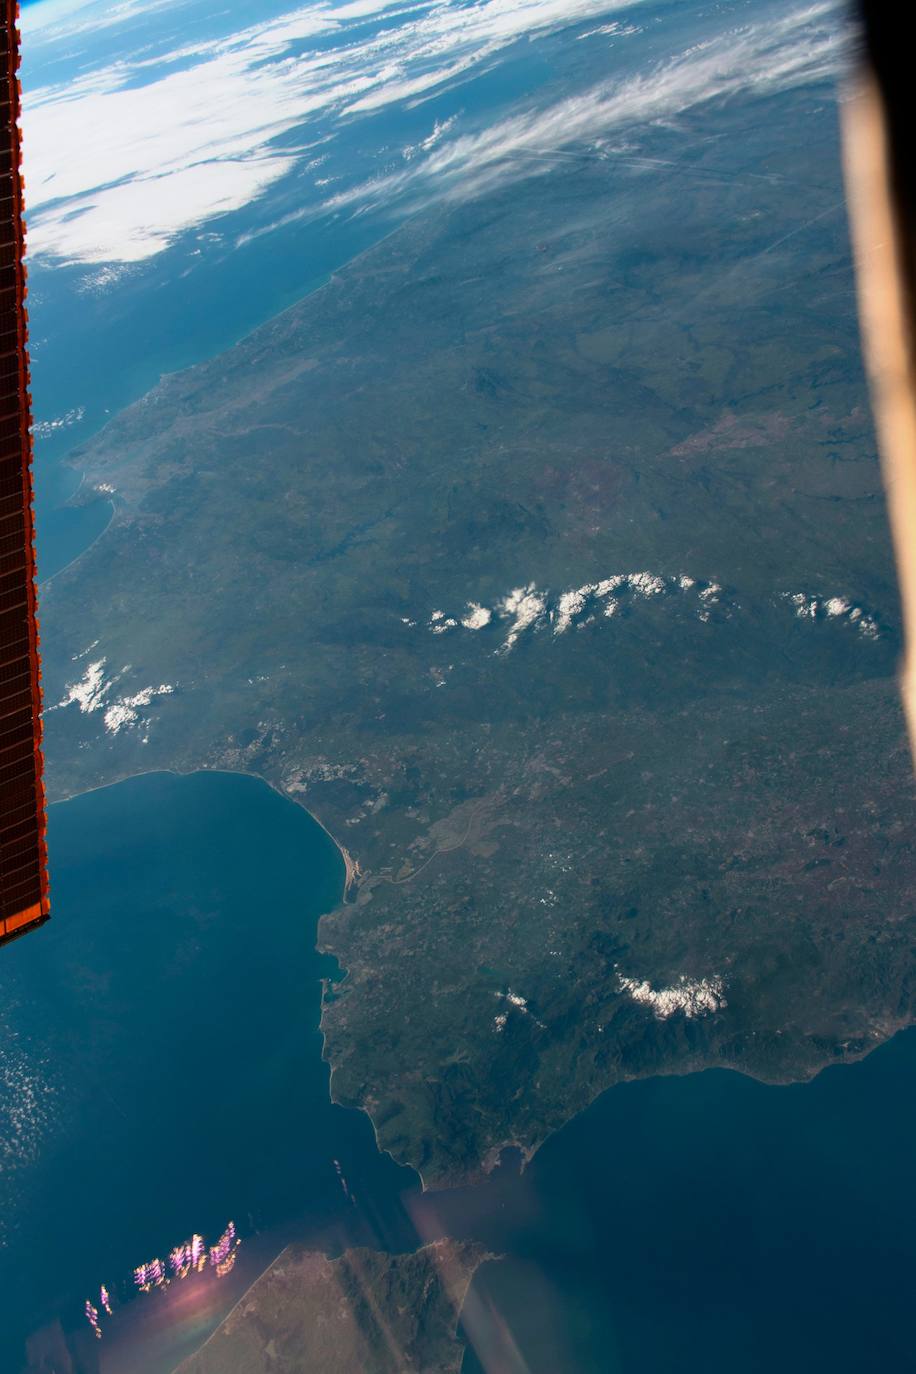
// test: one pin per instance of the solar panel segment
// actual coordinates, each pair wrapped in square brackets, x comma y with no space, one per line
[23,855]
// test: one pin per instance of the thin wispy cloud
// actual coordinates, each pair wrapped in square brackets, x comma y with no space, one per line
[70,19]
[803,48]
[126,158]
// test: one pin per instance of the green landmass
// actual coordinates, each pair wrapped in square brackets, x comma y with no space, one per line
[644,842]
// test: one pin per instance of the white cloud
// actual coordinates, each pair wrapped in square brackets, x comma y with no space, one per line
[693,997]
[804,46]
[610,584]
[93,693]
[839,608]
[477,617]
[124,158]
[142,216]
[616,29]
[118,165]
[89,692]
[43,429]
[126,711]
[646,583]
[520,1004]
[440,129]
[67,19]
[570,604]
[526,607]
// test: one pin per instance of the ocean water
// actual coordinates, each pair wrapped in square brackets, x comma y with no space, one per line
[705,1222]
[165,1029]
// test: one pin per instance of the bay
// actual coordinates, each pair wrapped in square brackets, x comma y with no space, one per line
[165,1025]
[708,1221]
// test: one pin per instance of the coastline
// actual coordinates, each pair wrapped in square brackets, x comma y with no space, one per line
[352,870]
[490,1161]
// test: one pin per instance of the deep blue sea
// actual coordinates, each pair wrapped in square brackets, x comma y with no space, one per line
[711,1222]
[167,1022]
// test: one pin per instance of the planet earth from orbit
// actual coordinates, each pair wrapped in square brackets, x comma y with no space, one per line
[469,635]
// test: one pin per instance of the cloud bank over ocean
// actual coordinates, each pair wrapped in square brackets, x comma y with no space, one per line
[143,148]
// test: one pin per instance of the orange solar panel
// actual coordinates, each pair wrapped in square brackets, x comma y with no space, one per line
[23,853]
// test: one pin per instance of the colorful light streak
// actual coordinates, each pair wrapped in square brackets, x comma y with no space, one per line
[150,1276]
[191,1256]
[223,1253]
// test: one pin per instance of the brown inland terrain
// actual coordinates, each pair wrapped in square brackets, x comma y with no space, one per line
[392,1314]
[556,584]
